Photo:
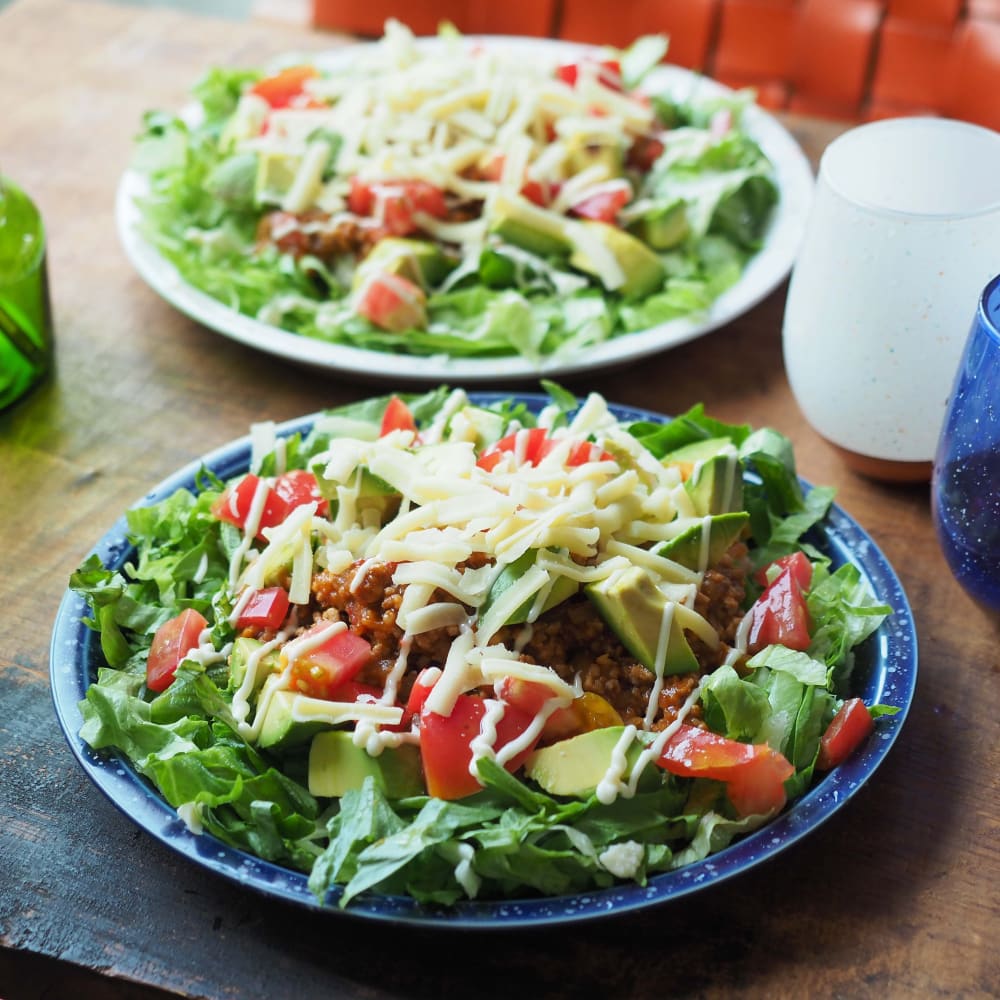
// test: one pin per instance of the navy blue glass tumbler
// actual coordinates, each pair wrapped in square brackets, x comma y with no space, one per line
[965,488]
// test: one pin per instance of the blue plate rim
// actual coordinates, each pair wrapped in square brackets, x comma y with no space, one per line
[891,678]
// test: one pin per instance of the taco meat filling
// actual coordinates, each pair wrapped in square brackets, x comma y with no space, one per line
[571,638]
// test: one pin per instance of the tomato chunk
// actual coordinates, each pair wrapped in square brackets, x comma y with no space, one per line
[446,744]
[173,640]
[754,773]
[607,71]
[324,668]
[265,609]
[797,562]
[397,417]
[530,446]
[395,203]
[848,729]
[780,616]
[237,501]
[392,302]
[300,487]
[284,88]
[604,205]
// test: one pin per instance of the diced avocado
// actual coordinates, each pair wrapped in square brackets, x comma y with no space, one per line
[698,451]
[587,151]
[663,228]
[634,608]
[374,493]
[243,650]
[518,221]
[280,729]
[705,542]
[716,485]
[420,261]
[483,427]
[637,271]
[715,482]
[275,176]
[575,767]
[233,181]
[337,766]
[562,588]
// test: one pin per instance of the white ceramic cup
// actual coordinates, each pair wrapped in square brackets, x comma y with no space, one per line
[903,233]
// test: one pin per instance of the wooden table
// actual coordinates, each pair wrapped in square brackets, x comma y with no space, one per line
[895,896]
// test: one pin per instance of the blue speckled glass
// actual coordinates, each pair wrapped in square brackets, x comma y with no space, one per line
[965,490]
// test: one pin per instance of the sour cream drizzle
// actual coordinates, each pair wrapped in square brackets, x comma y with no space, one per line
[612,784]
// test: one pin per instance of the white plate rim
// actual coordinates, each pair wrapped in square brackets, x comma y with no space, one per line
[764,272]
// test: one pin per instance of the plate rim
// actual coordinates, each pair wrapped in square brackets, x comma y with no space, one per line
[763,273]
[73,644]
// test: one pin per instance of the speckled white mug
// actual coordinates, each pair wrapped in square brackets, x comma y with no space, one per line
[903,234]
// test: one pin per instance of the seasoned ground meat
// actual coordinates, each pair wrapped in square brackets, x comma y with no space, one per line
[370,610]
[316,234]
[572,638]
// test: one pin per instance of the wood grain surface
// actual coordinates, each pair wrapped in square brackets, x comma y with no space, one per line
[895,896]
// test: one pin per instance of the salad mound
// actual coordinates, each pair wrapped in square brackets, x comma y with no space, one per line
[457,198]
[455,649]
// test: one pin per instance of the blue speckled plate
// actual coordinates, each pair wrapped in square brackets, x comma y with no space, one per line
[886,672]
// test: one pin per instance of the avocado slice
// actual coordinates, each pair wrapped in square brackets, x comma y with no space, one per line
[562,588]
[664,227]
[633,608]
[292,718]
[420,261]
[374,493]
[239,659]
[587,151]
[636,271]
[715,483]
[518,221]
[705,542]
[486,426]
[337,766]
[576,766]
[280,729]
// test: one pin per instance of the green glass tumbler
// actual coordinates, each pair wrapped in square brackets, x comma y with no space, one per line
[25,312]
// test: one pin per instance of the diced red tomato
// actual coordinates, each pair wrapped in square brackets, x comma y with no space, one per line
[339,659]
[528,696]
[644,152]
[300,487]
[396,202]
[392,303]
[532,445]
[283,88]
[797,562]
[609,72]
[754,773]
[780,616]
[265,609]
[446,744]
[849,728]
[352,691]
[173,640]
[604,205]
[540,192]
[759,788]
[397,417]
[236,502]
